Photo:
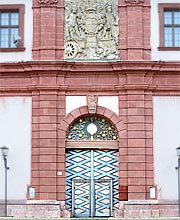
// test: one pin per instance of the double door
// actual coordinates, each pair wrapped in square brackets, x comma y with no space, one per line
[92,197]
[91,182]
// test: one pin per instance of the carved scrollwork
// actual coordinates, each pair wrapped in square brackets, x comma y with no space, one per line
[134,2]
[48,2]
[93,26]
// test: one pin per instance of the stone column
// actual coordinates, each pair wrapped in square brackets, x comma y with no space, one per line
[136,136]
[134,25]
[48,29]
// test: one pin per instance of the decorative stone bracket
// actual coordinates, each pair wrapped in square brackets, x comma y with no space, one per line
[92,103]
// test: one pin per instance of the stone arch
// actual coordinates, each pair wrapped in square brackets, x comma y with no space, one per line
[101,111]
[117,121]
[122,142]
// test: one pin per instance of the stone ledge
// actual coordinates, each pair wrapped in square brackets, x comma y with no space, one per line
[111,218]
[42,202]
[151,202]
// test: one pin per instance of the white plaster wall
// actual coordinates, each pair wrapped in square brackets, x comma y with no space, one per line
[15,133]
[28,34]
[156,54]
[110,102]
[166,111]
[73,102]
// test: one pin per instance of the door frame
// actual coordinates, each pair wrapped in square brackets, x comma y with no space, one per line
[92,144]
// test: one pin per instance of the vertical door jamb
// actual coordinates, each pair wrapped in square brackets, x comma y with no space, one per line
[73,198]
[111,197]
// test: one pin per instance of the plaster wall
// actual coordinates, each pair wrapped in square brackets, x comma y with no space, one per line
[73,102]
[28,26]
[166,139]
[110,102]
[155,53]
[15,133]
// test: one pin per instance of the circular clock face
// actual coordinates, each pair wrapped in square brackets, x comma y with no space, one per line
[92,128]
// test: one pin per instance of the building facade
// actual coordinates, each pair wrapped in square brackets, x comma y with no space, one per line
[90,107]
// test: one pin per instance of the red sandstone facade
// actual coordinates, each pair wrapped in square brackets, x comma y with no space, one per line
[134,83]
[135,80]
[134,36]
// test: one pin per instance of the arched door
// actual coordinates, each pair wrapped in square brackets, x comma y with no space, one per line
[91,173]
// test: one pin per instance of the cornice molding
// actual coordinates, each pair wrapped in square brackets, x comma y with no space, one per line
[35,88]
[64,67]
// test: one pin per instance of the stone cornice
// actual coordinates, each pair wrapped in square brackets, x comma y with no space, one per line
[60,67]
[29,89]
[26,77]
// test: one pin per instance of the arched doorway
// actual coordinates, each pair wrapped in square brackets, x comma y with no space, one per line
[92,180]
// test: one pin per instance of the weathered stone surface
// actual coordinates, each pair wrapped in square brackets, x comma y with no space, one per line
[91,29]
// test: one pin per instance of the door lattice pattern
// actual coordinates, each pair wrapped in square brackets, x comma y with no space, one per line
[91,182]
[105,166]
[103,197]
[78,165]
[81,197]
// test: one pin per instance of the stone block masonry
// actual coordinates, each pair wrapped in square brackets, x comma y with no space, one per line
[134,83]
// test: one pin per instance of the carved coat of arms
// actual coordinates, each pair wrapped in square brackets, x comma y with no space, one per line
[91,29]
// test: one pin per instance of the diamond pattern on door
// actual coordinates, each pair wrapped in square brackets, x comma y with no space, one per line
[77,166]
[103,197]
[91,182]
[106,166]
[80,198]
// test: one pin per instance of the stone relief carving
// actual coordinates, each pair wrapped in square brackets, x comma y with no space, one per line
[91,29]
[92,101]
[48,2]
[134,2]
